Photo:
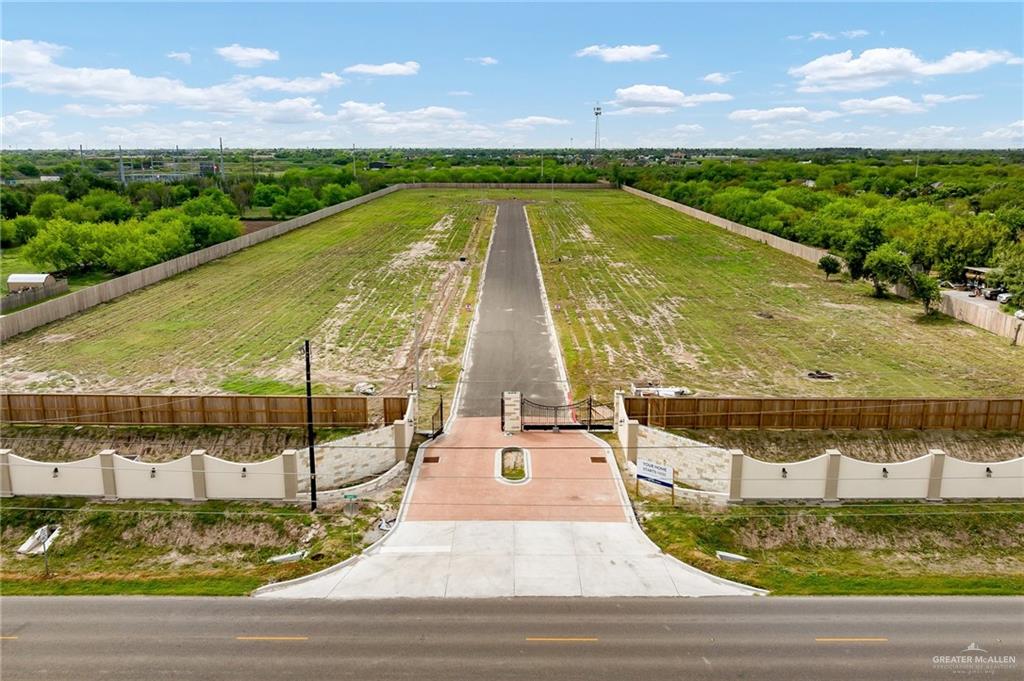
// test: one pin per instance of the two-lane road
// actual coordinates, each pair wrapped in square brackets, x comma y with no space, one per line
[788,639]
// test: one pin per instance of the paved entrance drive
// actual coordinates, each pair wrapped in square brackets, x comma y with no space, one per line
[567,530]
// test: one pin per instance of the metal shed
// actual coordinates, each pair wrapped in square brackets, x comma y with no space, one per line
[22,282]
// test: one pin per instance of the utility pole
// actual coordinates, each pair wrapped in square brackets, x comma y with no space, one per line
[120,167]
[81,158]
[222,178]
[254,165]
[353,162]
[310,435]
[542,166]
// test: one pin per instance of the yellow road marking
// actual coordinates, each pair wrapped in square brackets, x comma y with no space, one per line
[8,638]
[271,638]
[561,639]
[852,639]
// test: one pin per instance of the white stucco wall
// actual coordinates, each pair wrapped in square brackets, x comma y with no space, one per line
[82,478]
[134,479]
[804,479]
[968,480]
[863,480]
[263,480]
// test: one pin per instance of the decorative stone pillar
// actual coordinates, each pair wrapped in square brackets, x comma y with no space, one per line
[6,490]
[198,474]
[512,411]
[736,476]
[935,476]
[290,465]
[832,476]
[107,468]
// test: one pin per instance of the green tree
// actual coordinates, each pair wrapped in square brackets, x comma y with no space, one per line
[923,288]
[829,264]
[867,236]
[886,265]
[47,206]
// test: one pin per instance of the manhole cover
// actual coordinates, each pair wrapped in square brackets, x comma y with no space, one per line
[598,459]
[431,459]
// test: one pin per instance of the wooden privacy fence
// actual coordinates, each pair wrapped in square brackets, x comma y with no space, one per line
[827,413]
[287,411]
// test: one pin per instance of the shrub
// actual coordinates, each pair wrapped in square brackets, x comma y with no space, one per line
[829,264]
[47,206]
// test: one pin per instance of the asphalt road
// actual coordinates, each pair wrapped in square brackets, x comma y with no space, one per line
[511,348]
[789,639]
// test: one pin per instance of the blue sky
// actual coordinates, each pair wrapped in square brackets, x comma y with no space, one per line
[378,75]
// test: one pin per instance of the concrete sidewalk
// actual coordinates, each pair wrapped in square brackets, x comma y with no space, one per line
[493,559]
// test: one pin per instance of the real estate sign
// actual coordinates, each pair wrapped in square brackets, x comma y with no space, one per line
[658,473]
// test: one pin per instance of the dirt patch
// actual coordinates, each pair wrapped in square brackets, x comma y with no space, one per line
[665,237]
[812,531]
[781,284]
[843,306]
[186,533]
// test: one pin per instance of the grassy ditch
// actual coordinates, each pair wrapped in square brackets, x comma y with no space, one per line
[868,548]
[157,443]
[207,549]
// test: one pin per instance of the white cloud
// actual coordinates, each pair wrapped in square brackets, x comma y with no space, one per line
[794,37]
[820,35]
[533,121]
[782,113]
[659,99]
[14,123]
[426,126]
[1013,131]
[881,66]
[183,57]
[460,93]
[932,100]
[483,61]
[856,33]
[409,68]
[930,136]
[109,111]
[29,65]
[717,78]
[882,105]
[622,53]
[247,57]
[325,82]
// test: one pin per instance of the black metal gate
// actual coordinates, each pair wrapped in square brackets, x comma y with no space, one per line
[437,420]
[587,414]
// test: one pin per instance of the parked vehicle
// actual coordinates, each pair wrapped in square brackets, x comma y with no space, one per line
[1003,298]
[993,293]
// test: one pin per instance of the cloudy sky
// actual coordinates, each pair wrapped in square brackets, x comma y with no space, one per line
[748,75]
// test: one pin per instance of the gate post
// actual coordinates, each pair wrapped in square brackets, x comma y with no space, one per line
[512,411]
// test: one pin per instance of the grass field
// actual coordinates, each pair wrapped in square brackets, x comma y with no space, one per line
[879,548]
[639,291]
[356,284]
[208,549]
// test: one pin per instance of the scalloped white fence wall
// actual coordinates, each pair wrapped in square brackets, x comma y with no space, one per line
[834,477]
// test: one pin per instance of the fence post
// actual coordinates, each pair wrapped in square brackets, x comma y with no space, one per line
[5,474]
[935,476]
[290,466]
[736,476]
[832,476]
[107,469]
[198,474]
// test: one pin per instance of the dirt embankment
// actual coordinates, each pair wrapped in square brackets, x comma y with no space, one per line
[880,446]
[68,443]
